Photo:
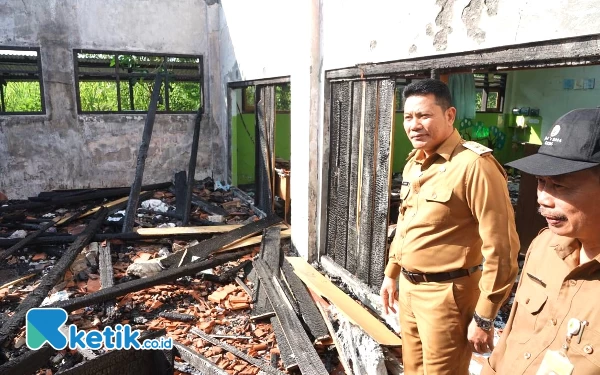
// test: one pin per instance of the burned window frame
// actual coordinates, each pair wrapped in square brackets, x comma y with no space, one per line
[249,92]
[117,76]
[21,75]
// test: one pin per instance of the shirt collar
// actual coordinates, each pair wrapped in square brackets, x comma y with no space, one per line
[446,149]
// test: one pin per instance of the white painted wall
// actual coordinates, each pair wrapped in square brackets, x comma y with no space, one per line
[543,89]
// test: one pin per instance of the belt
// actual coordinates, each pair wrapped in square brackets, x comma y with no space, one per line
[417,277]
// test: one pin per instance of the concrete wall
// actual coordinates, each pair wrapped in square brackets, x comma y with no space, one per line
[65,150]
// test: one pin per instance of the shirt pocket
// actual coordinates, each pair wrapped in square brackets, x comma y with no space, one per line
[437,207]
[588,348]
[531,298]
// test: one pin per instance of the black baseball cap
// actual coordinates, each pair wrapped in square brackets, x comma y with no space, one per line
[573,144]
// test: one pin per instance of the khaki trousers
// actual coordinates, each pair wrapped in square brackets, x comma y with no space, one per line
[434,318]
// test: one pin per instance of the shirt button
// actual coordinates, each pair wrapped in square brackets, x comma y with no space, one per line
[588,349]
[442,169]
[572,282]
[527,355]
[413,214]
[553,322]
[434,195]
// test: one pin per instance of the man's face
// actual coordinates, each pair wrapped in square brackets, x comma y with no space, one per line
[426,123]
[570,203]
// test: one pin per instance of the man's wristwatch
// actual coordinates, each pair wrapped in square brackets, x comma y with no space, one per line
[483,323]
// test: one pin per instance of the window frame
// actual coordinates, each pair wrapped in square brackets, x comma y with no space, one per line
[486,89]
[40,80]
[117,78]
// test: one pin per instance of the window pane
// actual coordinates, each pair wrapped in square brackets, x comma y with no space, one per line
[22,97]
[142,92]
[125,96]
[98,96]
[492,100]
[249,93]
[184,96]
[399,101]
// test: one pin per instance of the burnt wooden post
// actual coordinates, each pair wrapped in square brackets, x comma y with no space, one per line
[134,195]
[192,167]
[35,298]
[265,147]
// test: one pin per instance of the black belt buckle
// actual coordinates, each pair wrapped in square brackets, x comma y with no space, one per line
[414,278]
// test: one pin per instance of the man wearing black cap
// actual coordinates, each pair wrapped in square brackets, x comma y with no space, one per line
[554,324]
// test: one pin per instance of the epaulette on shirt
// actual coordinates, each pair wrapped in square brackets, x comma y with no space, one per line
[411,154]
[477,148]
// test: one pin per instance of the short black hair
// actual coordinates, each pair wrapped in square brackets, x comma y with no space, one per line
[430,86]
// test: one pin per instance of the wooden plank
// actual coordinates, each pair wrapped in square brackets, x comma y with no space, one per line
[361,291]
[287,356]
[35,298]
[106,275]
[308,310]
[343,170]
[309,361]
[238,353]
[287,233]
[270,252]
[353,180]
[207,247]
[355,313]
[265,146]
[383,176]
[187,231]
[367,183]
[28,363]
[208,207]
[322,306]
[197,360]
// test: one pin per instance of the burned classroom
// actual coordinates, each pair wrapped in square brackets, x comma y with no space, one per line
[268,107]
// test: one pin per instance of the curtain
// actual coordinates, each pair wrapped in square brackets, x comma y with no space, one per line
[462,89]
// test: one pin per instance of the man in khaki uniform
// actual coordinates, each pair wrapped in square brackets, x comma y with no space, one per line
[554,324]
[455,210]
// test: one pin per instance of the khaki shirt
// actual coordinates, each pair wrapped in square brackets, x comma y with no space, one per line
[456,210]
[553,288]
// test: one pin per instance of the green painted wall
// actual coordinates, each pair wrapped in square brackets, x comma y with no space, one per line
[242,145]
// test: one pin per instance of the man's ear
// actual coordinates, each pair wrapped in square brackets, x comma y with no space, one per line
[450,115]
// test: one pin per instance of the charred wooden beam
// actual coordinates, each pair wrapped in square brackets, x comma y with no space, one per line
[209,207]
[287,355]
[198,361]
[227,276]
[207,247]
[28,363]
[270,252]
[238,353]
[132,236]
[99,194]
[309,361]
[265,147]
[35,298]
[192,167]
[308,310]
[30,237]
[136,188]
[180,190]
[136,285]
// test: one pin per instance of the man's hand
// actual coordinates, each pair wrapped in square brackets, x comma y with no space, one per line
[481,341]
[389,294]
